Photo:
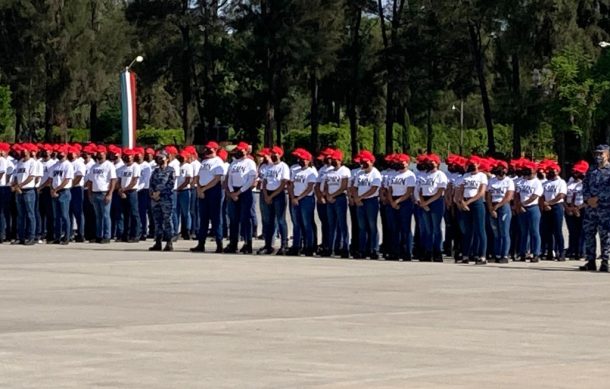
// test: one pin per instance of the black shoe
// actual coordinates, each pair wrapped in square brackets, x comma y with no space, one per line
[169,246]
[465,261]
[604,267]
[345,254]
[281,251]
[357,255]
[293,252]
[310,253]
[502,260]
[230,249]
[247,248]
[200,248]
[261,251]
[17,242]
[133,241]
[218,248]
[79,239]
[30,242]
[156,247]
[535,260]
[105,241]
[561,258]
[481,262]
[374,256]
[589,266]
[64,242]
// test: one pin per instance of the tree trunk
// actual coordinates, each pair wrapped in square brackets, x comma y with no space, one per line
[429,131]
[315,106]
[186,84]
[518,104]
[354,87]
[389,119]
[477,51]
[18,125]
[375,139]
[94,135]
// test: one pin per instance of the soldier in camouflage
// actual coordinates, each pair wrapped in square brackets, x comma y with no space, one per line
[596,194]
[161,191]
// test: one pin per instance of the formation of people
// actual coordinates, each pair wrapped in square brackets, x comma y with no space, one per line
[492,210]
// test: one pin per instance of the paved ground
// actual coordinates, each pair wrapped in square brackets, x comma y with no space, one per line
[117,316]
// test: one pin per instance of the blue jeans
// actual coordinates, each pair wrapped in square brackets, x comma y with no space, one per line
[554,230]
[44,225]
[368,238]
[194,209]
[143,209]
[240,215]
[500,227]
[399,225]
[265,216]
[474,243]
[337,224]
[303,226]
[175,221]
[76,211]
[210,210]
[116,216]
[431,226]
[184,210]
[131,216]
[89,217]
[26,215]
[61,210]
[323,215]
[529,224]
[5,211]
[277,216]
[102,215]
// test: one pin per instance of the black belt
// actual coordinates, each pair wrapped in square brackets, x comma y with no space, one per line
[427,197]
[129,191]
[27,189]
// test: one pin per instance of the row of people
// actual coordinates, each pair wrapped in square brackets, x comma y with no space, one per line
[97,192]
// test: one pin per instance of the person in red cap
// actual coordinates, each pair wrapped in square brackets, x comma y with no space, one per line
[529,190]
[574,209]
[452,245]
[555,191]
[77,194]
[400,195]
[184,180]
[60,182]
[87,154]
[5,191]
[321,205]
[23,183]
[301,193]
[472,216]
[273,192]
[142,159]
[240,181]
[209,180]
[192,157]
[101,183]
[366,197]
[431,190]
[500,192]
[128,182]
[336,185]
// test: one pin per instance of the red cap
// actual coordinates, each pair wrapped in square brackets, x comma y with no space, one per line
[31,147]
[390,157]
[242,146]
[498,163]
[298,152]
[89,149]
[78,146]
[129,152]
[212,145]
[366,156]
[4,147]
[150,150]
[402,158]
[551,165]
[581,167]
[222,153]
[264,152]
[74,150]
[277,150]
[337,155]
[139,150]
[185,153]
[171,150]
[433,158]
[47,147]
[101,149]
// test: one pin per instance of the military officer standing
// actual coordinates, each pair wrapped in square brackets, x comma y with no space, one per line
[161,192]
[597,215]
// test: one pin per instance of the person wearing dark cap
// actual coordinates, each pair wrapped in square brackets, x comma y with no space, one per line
[162,183]
[597,218]
[240,180]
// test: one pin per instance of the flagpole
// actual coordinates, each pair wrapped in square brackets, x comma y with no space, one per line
[129,105]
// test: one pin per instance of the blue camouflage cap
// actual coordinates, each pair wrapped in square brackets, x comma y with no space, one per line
[602,148]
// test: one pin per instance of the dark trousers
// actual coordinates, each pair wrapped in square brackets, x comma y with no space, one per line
[210,211]
[89,213]
[276,217]
[76,211]
[26,214]
[553,222]
[132,224]
[116,216]
[240,216]
[45,209]
[5,211]
[61,210]
[144,209]
[399,225]
[576,246]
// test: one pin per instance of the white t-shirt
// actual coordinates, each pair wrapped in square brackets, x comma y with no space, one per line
[61,171]
[100,176]
[574,192]
[432,182]
[145,173]
[196,165]
[128,172]
[23,170]
[39,172]
[274,174]
[365,181]
[386,177]
[472,182]
[302,178]
[334,177]
[401,182]
[46,169]
[454,177]
[352,178]
[210,168]
[553,188]
[80,170]
[498,188]
[175,164]
[186,171]
[322,176]
[242,174]
[528,188]
[4,171]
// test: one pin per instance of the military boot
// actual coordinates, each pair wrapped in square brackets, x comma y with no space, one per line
[169,246]
[247,249]
[218,247]
[589,266]
[604,266]
[200,248]
[157,246]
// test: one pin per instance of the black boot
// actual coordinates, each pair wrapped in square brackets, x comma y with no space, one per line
[157,246]
[218,247]
[604,266]
[589,266]
[169,246]
[231,248]
[247,249]
[200,248]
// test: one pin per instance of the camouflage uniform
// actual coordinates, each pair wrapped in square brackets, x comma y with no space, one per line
[596,184]
[162,181]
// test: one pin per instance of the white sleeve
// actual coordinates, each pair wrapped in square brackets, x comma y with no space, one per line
[69,171]
[112,172]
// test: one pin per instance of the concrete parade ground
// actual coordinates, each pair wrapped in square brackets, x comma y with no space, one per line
[118,316]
